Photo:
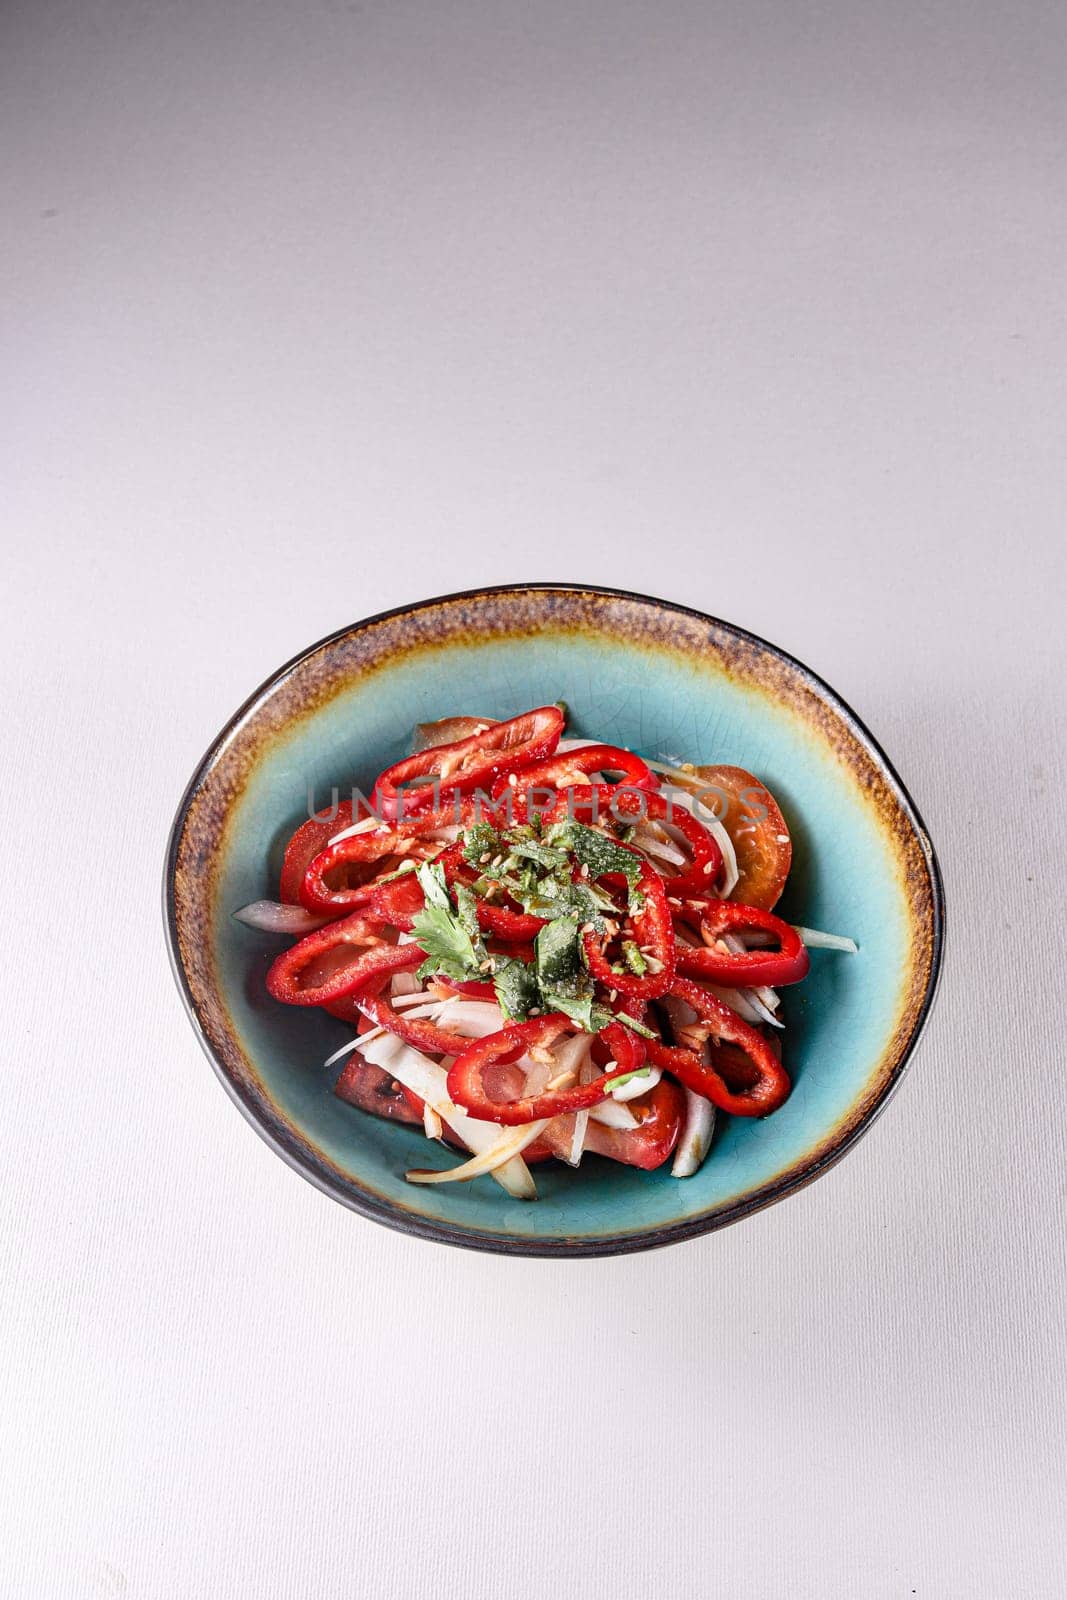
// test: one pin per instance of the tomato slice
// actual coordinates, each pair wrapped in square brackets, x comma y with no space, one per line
[659,1122]
[751,816]
[373,1090]
[450,730]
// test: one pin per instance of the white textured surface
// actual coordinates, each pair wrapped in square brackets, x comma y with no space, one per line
[315,309]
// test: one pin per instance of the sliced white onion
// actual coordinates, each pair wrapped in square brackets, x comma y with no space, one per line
[636,1086]
[827,941]
[430,1082]
[346,1049]
[508,1146]
[418,997]
[494,1159]
[747,1004]
[271,916]
[695,1141]
[566,745]
[661,849]
[613,1115]
[404,985]
[678,773]
[367,825]
[750,1003]
[586,1074]
[581,1126]
[446,835]
[431,1122]
[475,1019]
[730,875]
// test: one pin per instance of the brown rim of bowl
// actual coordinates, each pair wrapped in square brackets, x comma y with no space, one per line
[279,1134]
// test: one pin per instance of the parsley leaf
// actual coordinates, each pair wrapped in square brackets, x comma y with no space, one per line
[574,900]
[446,942]
[467,913]
[431,876]
[578,1007]
[543,854]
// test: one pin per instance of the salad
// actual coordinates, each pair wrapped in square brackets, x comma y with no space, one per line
[546,947]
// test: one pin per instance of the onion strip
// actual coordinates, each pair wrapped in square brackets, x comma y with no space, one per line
[828,941]
[273,916]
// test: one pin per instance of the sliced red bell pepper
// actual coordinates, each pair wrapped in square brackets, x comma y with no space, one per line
[479,761]
[700,876]
[466,1088]
[768,1084]
[741,969]
[342,877]
[397,901]
[654,935]
[308,840]
[420,1032]
[572,769]
[338,960]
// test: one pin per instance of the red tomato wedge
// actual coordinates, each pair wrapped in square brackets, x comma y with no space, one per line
[750,814]
[659,1121]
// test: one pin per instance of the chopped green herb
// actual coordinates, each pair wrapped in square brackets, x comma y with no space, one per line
[595,850]
[431,876]
[479,840]
[402,871]
[543,854]
[578,1007]
[633,957]
[447,944]
[556,948]
[516,988]
[635,1026]
[467,910]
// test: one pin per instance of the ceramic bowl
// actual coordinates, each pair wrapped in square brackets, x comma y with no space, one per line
[653,676]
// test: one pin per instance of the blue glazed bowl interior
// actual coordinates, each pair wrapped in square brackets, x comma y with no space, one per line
[662,703]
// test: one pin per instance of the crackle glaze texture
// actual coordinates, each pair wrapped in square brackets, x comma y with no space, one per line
[656,677]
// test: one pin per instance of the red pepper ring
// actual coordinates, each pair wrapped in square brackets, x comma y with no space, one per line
[397,901]
[338,960]
[309,839]
[701,876]
[417,1031]
[365,852]
[557,772]
[655,936]
[478,761]
[466,1089]
[741,969]
[770,1086]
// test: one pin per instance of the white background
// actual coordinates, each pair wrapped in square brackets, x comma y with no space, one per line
[315,309]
